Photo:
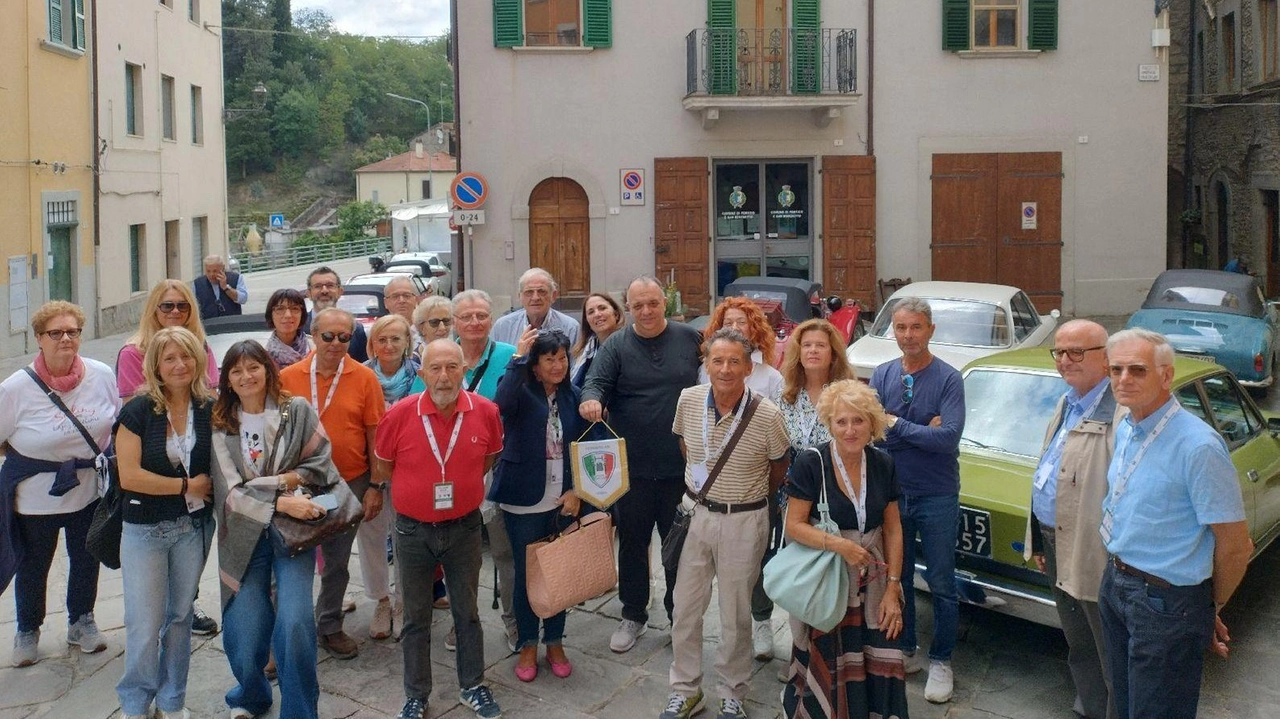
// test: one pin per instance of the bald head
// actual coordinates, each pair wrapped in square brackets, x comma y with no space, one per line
[1086,340]
[442,371]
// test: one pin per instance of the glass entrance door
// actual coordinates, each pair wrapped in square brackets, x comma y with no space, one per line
[763,221]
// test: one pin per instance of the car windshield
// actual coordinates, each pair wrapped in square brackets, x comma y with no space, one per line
[958,322]
[360,305]
[1210,296]
[410,267]
[1008,410]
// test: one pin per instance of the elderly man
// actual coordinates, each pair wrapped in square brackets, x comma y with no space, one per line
[729,530]
[924,400]
[219,292]
[538,291]
[1066,506]
[323,289]
[638,374]
[436,451]
[348,398]
[1174,523]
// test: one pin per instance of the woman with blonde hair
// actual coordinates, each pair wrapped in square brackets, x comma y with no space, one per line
[390,357]
[860,487]
[745,316]
[163,443]
[432,320]
[813,360]
[170,304]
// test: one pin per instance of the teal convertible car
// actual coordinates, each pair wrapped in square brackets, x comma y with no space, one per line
[1010,399]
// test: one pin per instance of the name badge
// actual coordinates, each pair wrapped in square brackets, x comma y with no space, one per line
[1042,476]
[1105,529]
[194,503]
[444,496]
[698,472]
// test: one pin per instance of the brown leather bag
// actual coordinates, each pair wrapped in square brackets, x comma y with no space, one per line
[571,567]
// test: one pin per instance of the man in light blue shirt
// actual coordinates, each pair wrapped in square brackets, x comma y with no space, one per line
[1174,523]
[538,291]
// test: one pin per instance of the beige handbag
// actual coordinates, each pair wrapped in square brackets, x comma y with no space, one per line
[571,567]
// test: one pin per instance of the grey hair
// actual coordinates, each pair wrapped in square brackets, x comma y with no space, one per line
[915,305]
[642,280]
[472,295]
[214,260]
[333,310]
[534,273]
[1160,344]
[425,306]
[728,334]
[400,278]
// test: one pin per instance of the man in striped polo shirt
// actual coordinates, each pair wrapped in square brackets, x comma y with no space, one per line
[729,529]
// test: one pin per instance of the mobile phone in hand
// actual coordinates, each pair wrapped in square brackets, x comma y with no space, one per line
[328,501]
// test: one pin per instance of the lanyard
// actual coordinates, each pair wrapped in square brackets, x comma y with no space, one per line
[737,415]
[1122,480]
[478,375]
[315,395]
[555,430]
[453,439]
[1054,451]
[859,500]
[187,441]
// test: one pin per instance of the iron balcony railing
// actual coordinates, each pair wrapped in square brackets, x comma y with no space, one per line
[311,254]
[771,61]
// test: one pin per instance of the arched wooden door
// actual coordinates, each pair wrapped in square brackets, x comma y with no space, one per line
[560,234]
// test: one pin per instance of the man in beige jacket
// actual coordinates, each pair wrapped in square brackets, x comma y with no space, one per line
[1069,486]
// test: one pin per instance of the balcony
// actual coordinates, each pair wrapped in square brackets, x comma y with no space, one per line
[771,69]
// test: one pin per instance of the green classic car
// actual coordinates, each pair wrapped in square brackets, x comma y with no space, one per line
[1010,398]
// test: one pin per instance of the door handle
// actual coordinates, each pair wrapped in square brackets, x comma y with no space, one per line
[661,250]
[1252,475]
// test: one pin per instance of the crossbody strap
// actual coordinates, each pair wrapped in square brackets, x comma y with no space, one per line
[747,411]
[57,402]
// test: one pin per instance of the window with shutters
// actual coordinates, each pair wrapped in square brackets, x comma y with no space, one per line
[132,99]
[1268,30]
[167,110]
[999,26]
[197,115]
[137,255]
[67,23]
[1227,44]
[995,24]
[552,23]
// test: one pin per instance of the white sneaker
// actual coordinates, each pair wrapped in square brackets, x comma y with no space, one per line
[912,663]
[762,640]
[941,682]
[626,634]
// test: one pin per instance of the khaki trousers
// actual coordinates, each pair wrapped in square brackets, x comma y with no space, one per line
[726,548]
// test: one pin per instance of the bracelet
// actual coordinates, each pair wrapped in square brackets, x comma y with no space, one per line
[184,487]
[895,579]
[824,541]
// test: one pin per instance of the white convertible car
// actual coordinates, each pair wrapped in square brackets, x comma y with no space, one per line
[973,320]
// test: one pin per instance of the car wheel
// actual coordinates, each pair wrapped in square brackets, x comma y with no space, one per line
[859,331]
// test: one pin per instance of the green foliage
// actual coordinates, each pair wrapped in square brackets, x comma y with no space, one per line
[356,217]
[310,239]
[295,124]
[375,149]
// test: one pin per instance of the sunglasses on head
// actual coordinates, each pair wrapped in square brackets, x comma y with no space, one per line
[908,384]
[552,332]
[171,306]
[328,337]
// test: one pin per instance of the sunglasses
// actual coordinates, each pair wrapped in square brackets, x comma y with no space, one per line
[435,323]
[908,384]
[168,307]
[553,332]
[1076,355]
[1136,371]
[328,337]
[57,335]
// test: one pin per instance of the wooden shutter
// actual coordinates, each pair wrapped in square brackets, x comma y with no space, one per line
[722,47]
[597,25]
[955,25]
[849,227]
[806,47]
[1042,24]
[78,40]
[681,236]
[55,21]
[963,245]
[508,24]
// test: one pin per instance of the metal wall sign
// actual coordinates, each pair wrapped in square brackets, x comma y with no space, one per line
[632,187]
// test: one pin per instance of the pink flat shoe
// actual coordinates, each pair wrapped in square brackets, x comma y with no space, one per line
[561,670]
[528,674]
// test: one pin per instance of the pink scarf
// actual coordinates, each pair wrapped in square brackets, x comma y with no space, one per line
[65,383]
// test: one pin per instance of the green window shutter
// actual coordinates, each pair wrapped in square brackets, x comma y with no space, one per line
[508,24]
[1042,25]
[722,47]
[55,21]
[597,25]
[806,47]
[78,42]
[955,25]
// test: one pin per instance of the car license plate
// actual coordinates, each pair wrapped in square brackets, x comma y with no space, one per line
[975,532]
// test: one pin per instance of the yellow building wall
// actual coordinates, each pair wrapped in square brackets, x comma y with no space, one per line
[396,187]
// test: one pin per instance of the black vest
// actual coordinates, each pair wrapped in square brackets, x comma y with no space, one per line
[211,306]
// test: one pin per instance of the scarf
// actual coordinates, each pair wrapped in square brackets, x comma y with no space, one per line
[67,382]
[287,354]
[396,387]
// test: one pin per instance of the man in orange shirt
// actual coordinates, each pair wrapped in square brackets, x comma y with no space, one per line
[348,398]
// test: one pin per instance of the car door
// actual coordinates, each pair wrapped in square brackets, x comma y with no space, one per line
[1254,452]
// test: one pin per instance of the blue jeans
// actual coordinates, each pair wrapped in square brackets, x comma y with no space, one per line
[161,565]
[1156,639]
[937,520]
[251,624]
[523,530]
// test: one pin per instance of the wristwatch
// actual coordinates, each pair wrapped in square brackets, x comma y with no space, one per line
[380,486]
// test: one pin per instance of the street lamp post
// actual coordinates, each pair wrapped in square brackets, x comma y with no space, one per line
[259,102]
[431,178]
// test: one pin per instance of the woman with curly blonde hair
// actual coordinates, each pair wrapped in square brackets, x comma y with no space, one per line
[743,315]
[170,304]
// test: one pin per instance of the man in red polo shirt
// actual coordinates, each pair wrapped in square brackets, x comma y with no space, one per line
[436,450]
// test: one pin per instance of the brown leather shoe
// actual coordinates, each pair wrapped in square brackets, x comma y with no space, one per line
[339,645]
[270,669]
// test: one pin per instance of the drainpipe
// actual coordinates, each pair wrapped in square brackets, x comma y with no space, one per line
[1188,150]
[465,255]
[97,174]
[871,77]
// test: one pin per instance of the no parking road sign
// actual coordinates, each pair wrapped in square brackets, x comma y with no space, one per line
[632,186]
[469,191]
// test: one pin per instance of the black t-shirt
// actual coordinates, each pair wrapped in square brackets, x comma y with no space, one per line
[882,486]
[139,417]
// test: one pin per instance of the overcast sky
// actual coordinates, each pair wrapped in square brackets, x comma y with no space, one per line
[385,17]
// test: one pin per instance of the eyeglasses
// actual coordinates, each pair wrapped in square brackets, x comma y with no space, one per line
[325,286]
[1136,371]
[436,322]
[1076,354]
[57,335]
[387,340]
[908,384]
[473,317]
[328,337]
[400,296]
[167,307]
[286,310]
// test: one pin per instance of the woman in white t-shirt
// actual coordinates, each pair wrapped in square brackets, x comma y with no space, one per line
[42,498]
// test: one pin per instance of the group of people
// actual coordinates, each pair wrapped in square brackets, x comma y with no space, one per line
[448,424]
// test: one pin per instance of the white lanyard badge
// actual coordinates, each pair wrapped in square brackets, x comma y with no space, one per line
[1122,480]
[333,388]
[435,447]
[859,500]
[186,441]
[737,415]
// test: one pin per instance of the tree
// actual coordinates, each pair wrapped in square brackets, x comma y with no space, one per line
[295,124]
[333,114]
[356,217]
